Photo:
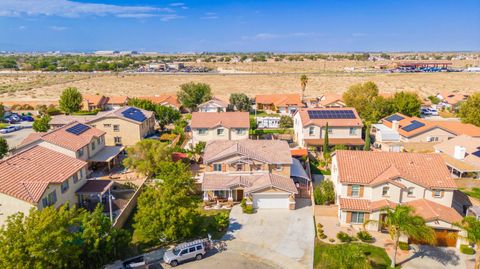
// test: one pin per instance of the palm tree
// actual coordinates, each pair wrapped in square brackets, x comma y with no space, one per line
[402,221]
[303,84]
[472,226]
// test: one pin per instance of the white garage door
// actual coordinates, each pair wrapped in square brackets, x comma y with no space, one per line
[270,200]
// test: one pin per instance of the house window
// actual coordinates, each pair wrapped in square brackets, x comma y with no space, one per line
[80,174]
[51,199]
[217,167]
[311,130]
[93,145]
[220,131]
[437,193]
[355,190]
[278,167]
[220,194]
[241,131]
[80,152]
[117,140]
[107,125]
[330,130]
[358,217]
[353,131]
[64,186]
[116,128]
[98,141]
[385,191]
[239,167]
[257,167]
[75,178]
[410,191]
[202,131]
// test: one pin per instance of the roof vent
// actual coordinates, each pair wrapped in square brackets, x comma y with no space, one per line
[459,153]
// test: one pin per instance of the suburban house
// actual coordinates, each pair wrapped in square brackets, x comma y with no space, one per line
[123,127]
[451,100]
[207,126]
[79,141]
[399,129]
[39,177]
[331,100]
[115,102]
[462,155]
[344,127]
[92,102]
[283,103]
[170,100]
[268,122]
[213,105]
[366,182]
[260,170]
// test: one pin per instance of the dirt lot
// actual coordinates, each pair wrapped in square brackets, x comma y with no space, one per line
[249,78]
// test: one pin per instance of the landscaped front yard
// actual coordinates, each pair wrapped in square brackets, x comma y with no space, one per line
[350,255]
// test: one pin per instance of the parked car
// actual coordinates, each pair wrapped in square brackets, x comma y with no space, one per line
[27,118]
[186,251]
[9,129]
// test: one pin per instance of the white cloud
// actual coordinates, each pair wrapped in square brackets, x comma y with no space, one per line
[68,8]
[179,5]
[22,27]
[58,28]
[210,16]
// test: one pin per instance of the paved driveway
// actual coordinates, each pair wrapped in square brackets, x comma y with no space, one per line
[437,257]
[15,138]
[281,237]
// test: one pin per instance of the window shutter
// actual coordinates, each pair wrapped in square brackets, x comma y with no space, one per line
[442,193]
[366,217]
[433,193]
[361,191]
[224,167]
[349,190]
[349,217]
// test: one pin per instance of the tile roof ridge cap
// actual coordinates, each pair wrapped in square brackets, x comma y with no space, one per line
[28,191]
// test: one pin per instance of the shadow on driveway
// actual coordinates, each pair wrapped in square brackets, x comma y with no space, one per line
[445,256]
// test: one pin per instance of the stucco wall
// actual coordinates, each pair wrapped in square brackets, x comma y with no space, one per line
[436,132]
[10,205]
[129,132]
[211,134]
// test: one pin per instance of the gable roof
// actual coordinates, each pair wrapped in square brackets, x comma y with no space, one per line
[330,98]
[306,120]
[251,183]
[432,211]
[454,127]
[65,139]
[215,101]
[26,175]
[269,151]
[87,119]
[370,167]
[279,99]
[452,98]
[225,119]
[164,99]
[471,145]
[117,100]
[97,100]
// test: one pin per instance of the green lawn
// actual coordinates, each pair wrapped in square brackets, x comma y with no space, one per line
[474,192]
[3,125]
[352,255]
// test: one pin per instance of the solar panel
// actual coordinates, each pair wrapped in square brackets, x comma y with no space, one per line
[477,153]
[77,129]
[331,114]
[412,126]
[394,117]
[134,114]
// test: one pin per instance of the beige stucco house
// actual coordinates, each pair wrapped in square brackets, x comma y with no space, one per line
[213,105]
[344,127]
[285,104]
[367,182]
[259,170]
[462,155]
[207,126]
[38,177]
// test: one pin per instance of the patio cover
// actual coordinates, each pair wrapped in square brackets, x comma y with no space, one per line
[106,154]
[95,186]
[297,170]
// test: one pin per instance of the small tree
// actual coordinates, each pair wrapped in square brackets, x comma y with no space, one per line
[360,96]
[472,226]
[198,150]
[192,94]
[326,145]
[2,111]
[3,147]
[70,100]
[407,103]
[166,115]
[41,124]
[470,110]
[402,221]
[286,122]
[367,138]
[253,124]
[240,102]
[303,84]
[143,104]
[146,155]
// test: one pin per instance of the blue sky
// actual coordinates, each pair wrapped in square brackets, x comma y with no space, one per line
[247,25]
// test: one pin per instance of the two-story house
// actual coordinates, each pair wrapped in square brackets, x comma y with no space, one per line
[344,127]
[39,177]
[92,102]
[285,104]
[207,126]
[213,105]
[124,126]
[366,182]
[256,169]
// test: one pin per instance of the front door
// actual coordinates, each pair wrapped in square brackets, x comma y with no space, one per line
[239,195]
[382,226]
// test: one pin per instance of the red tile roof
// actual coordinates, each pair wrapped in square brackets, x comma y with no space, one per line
[26,175]
[431,211]
[97,100]
[117,100]
[306,121]
[336,141]
[352,204]
[61,137]
[299,152]
[279,100]
[165,99]
[225,119]
[365,167]
[251,183]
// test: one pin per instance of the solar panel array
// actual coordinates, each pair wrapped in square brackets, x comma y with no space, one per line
[134,114]
[331,114]
[477,153]
[412,126]
[394,117]
[78,129]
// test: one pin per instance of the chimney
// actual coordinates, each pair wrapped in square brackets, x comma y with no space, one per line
[395,125]
[459,153]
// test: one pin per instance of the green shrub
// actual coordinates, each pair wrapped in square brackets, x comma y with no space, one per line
[365,236]
[248,209]
[344,237]
[324,193]
[331,240]
[323,236]
[222,220]
[466,249]
[403,245]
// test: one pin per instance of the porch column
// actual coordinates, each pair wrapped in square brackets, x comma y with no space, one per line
[230,198]
[205,196]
